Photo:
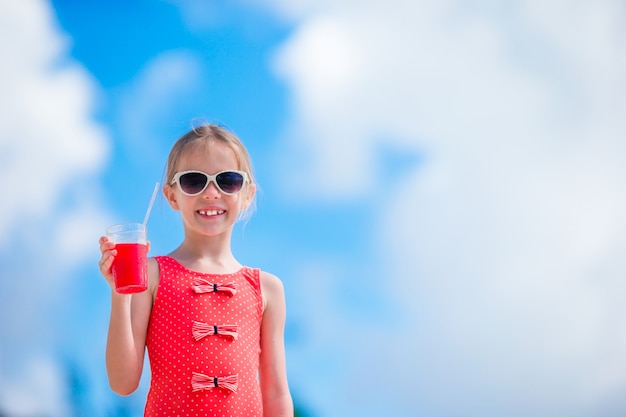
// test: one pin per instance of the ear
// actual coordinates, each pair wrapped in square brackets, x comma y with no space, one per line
[170,196]
[249,196]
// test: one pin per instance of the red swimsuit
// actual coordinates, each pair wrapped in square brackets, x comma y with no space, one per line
[204,343]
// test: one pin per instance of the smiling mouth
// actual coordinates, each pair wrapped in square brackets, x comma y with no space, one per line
[211,212]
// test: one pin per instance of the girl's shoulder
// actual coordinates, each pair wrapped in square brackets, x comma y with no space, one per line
[268,278]
[153,275]
[272,289]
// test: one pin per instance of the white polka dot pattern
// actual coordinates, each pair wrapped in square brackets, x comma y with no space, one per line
[208,333]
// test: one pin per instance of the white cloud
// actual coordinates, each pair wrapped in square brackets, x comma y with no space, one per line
[290,10]
[508,241]
[158,93]
[46,134]
[51,151]
[196,14]
[40,376]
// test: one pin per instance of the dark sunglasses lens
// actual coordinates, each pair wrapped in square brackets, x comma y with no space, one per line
[230,182]
[193,182]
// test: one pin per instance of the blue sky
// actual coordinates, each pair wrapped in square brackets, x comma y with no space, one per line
[443,193]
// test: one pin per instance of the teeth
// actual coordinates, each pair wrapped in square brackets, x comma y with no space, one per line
[210,212]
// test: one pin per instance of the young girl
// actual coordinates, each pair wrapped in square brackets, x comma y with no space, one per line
[212,327]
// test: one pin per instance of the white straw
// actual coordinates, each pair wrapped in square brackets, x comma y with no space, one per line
[154,194]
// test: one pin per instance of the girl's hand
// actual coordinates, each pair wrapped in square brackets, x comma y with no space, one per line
[107,248]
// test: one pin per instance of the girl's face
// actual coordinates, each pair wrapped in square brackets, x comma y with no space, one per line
[211,212]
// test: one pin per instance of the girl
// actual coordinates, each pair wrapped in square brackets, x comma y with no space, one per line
[212,327]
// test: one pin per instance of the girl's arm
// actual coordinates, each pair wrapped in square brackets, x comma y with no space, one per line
[273,370]
[128,326]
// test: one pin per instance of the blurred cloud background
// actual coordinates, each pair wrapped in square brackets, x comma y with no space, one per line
[443,193]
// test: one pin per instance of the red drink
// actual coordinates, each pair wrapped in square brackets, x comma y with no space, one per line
[130,268]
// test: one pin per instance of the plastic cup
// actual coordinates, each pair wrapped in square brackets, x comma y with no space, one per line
[130,266]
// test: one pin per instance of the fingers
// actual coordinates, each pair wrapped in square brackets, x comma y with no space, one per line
[105,264]
[107,248]
[105,244]
[104,241]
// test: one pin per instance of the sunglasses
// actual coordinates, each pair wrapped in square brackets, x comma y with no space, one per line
[195,182]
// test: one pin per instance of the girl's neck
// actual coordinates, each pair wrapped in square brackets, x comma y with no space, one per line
[207,254]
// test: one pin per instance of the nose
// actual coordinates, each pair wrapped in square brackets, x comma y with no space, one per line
[211,190]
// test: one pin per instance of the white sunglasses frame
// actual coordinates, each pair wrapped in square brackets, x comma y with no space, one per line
[210,178]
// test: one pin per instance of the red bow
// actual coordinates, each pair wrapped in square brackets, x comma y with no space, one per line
[201,382]
[201,285]
[201,330]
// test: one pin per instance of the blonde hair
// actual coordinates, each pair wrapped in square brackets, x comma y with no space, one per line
[204,135]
